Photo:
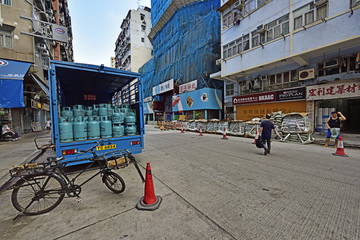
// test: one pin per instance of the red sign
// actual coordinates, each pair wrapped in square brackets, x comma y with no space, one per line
[254,98]
[90,97]
[333,90]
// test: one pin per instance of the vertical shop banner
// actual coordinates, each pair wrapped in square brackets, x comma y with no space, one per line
[333,90]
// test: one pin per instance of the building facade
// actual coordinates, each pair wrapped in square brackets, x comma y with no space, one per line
[176,81]
[291,56]
[27,44]
[132,47]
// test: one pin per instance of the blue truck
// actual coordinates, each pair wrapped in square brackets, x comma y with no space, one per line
[76,84]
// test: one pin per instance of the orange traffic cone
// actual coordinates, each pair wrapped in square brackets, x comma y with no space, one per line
[256,136]
[224,135]
[149,201]
[182,128]
[340,149]
[200,131]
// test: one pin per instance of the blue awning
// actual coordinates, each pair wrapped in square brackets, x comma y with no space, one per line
[41,85]
[12,74]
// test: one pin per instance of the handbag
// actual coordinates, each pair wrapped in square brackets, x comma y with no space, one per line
[259,143]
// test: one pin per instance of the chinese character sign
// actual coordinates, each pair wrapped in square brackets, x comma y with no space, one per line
[333,90]
[188,87]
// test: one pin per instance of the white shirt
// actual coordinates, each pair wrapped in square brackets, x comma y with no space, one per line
[5,129]
[48,123]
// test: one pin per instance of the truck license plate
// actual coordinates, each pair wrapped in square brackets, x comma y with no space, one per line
[105,147]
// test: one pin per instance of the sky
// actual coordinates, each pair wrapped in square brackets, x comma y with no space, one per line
[96,26]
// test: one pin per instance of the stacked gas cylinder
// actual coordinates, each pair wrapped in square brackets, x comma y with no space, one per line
[79,123]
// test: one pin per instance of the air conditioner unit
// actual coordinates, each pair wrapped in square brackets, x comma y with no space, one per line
[41,46]
[306,74]
[263,78]
[319,2]
[261,29]
[331,63]
[218,62]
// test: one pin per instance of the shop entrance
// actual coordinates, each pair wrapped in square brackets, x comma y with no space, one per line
[351,110]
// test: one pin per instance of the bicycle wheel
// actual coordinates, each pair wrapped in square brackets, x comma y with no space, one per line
[38,194]
[114,182]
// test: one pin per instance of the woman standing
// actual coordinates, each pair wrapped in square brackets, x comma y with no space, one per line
[333,125]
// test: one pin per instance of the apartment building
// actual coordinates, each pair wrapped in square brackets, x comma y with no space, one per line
[29,33]
[133,48]
[291,56]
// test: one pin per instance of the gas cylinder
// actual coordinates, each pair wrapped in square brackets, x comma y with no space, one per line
[66,112]
[130,116]
[118,130]
[78,111]
[66,130]
[109,110]
[130,129]
[103,110]
[93,127]
[124,108]
[88,111]
[117,116]
[105,127]
[79,128]
[96,110]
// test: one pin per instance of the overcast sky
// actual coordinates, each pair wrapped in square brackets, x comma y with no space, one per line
[96,26]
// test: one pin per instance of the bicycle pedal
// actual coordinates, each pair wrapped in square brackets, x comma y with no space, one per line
[79,200]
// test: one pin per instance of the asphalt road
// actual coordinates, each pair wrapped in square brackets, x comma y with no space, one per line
[212,189]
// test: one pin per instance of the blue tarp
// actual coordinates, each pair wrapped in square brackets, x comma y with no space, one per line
[187,46]
[12,74]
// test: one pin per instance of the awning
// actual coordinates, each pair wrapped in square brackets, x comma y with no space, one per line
[41,85]
[12,74]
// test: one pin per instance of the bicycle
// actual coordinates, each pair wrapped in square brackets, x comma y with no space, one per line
[42,186]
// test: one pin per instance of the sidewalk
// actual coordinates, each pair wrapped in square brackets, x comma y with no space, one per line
[350,140]
[16,153]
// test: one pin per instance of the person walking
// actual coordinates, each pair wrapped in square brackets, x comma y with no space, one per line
[48,125]
[265,131]
[333,125]
[7,130]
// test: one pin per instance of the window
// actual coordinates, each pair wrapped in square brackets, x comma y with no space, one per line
[142,39]
[239,44]
[229,89]
[246,42]
[142,17]
[321,12]
[250,5]
[6,2]
[309,14]
[276,28]
[143,27]
[225,55]
[254,38]
[6,38]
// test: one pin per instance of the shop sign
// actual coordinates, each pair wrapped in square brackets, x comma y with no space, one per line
[333,90]
[88,97]
[148,99]
[291,94]
[163,87]
[188,87]
[46,107]
[254,98]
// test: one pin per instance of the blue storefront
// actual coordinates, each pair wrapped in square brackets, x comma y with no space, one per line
[205,103]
